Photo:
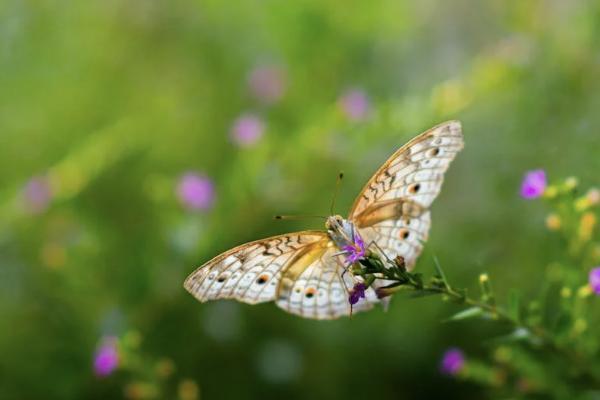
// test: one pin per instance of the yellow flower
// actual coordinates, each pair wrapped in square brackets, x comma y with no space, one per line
[165,367]
[553,222]
[586,226]
[140,391]
[551,192]
[582,204]
[584,291]
[571,183]
[188,390]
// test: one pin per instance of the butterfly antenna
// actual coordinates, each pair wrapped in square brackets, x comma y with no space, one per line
[337,190]
[299,216]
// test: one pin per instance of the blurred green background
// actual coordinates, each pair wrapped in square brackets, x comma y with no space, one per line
[106,107]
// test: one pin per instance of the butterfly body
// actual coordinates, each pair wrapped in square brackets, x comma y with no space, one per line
[306,273]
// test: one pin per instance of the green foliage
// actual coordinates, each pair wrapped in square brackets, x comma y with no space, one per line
[105,105]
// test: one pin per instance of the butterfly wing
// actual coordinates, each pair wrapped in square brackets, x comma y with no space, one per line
[297,270]
[251,272]
[393,207]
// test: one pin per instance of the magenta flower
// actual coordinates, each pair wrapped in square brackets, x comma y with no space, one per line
[357,293]
[247,130]
[534,184]
[595,280]
[355,104]
[267,83]
[106,359]
[37,194]
[452,362]
[355,251]
[196,191]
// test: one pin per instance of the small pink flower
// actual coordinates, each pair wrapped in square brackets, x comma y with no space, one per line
[354,251]
[534,184]
[267,83]
[453,361]
[37,194]
[106,359]
[595,280]
[247,130]
[355,104]
[196,191]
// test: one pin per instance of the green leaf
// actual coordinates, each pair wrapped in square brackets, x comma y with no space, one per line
[464,314]
[517,335]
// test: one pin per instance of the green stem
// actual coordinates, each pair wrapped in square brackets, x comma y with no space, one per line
[373,267]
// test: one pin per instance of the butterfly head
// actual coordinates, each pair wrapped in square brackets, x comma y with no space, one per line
[340,230]
[334,222]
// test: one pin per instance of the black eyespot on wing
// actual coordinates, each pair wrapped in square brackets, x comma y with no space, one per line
[404,234]
[433,152]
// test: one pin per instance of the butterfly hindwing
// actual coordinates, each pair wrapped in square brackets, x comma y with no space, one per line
[317,287]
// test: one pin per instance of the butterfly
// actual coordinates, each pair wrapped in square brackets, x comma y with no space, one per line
[306,273]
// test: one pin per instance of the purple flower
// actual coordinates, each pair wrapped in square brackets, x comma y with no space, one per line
[534,184]
[37,194]
[452,362]
[355,251]
[357,293]
[106,359]
[247,130]
[196,191]
[267,83]
[355,104]
[595,280]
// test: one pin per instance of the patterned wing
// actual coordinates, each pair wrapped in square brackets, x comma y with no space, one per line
[297,270]
[393,208]
[316,287]
[251,272]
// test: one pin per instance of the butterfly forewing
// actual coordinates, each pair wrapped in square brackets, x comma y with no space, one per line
[392,209]
[251,273]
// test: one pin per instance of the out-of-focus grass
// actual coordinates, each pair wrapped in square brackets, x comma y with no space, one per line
[112,102]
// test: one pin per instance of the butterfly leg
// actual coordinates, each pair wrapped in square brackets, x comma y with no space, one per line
[380,250]
[345,269]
